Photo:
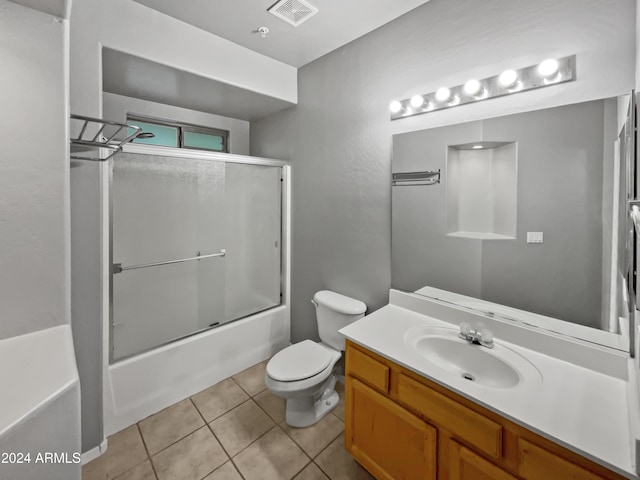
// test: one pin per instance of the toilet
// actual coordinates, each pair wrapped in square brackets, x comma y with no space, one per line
[303,373]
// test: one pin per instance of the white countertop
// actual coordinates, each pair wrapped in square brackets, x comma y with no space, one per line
[581,409]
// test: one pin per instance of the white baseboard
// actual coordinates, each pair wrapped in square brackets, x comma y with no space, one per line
[95,452]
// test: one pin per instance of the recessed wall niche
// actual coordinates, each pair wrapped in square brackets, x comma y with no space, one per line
[482,190]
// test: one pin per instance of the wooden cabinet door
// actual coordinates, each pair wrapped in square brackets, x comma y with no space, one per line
[466,465]
[390,442]
[536,463]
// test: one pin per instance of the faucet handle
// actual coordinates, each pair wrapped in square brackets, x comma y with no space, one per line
[486,337]
[465,330]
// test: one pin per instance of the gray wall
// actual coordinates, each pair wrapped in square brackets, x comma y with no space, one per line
[86,295]
[338,138]
[560,184]
[34,169]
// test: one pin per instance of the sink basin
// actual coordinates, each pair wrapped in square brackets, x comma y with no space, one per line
[499,367]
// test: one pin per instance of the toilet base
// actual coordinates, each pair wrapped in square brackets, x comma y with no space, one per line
[305,411]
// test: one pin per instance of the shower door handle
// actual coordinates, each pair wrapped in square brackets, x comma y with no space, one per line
[118,268]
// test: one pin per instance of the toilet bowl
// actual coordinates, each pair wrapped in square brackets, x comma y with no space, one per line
[303,373]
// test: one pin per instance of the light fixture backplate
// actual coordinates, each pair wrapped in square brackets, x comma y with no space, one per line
[528,79]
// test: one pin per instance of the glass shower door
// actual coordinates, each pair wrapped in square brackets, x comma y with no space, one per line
[170,208]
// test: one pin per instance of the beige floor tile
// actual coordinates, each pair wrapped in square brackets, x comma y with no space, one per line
[273,405]
[191,458]
[311,472]
[170,425]
[336,462]
[241,426]
[125,451]
[315,438]
[272,457]
[144,471]
[225,472]
[252,379]
[339,410]
[219,399]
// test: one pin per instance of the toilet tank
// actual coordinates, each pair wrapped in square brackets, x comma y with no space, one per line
[333,312]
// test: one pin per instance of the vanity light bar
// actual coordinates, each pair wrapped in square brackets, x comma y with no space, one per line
[547,73]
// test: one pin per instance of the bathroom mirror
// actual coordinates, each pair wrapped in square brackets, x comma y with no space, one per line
[527,220]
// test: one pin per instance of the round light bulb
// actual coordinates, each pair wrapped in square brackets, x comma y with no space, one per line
[443,93]
[548,68]
[395,106]
[417,101]
[477,147]
[508,78]
[472,87]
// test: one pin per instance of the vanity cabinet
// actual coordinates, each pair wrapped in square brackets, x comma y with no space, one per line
[401,426]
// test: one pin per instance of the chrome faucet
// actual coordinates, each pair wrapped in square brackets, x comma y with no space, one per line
[482,337]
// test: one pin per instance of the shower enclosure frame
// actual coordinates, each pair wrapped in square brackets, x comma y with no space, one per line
[215,156]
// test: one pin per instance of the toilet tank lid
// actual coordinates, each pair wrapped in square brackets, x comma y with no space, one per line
[340,303]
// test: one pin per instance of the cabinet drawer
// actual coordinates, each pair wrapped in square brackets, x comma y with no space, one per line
[466,465]
[368,369]
[484,434]
[535,463]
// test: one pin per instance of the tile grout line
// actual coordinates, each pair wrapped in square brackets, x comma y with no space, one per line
[320,468]
[265,411]
[173,443]
[208,425]
[146,449]
[302,469]
[274,425]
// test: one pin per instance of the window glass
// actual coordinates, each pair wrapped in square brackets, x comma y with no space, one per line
[164,135]
[173,134]
[204,141]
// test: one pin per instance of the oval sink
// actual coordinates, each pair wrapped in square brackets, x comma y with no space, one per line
[499,367]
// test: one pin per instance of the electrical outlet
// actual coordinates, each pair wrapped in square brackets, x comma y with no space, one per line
[534,237]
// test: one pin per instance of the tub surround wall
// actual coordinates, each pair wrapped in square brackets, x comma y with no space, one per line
[116,107]
[39,377]
[338,137]
[34,170]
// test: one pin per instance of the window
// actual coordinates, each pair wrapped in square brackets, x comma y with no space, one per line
[180,135]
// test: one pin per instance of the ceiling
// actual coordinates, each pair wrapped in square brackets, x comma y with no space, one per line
[58,8]
[337,23]
[136,77]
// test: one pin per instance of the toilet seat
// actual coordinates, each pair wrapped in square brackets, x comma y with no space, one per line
[299,361]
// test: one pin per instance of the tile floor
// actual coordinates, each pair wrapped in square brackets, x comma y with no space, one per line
[233,430]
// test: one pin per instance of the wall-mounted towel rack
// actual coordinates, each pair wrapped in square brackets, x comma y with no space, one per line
[118,268]
[92,142]
[407,179]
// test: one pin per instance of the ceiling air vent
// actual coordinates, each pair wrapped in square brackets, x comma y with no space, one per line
[293,12]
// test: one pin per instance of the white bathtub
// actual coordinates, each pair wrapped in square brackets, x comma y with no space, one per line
[39,404]
[140,386]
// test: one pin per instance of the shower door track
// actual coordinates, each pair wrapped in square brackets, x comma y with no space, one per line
[201,155]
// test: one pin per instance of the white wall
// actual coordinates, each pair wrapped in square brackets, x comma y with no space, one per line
[463,42]
[132,28]
[339,136]
[115,107]
[34,171]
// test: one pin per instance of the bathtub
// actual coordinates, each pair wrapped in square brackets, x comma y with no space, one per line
[39,405]
[142,385]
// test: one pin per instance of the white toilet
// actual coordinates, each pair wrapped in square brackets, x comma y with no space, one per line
[303,373]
